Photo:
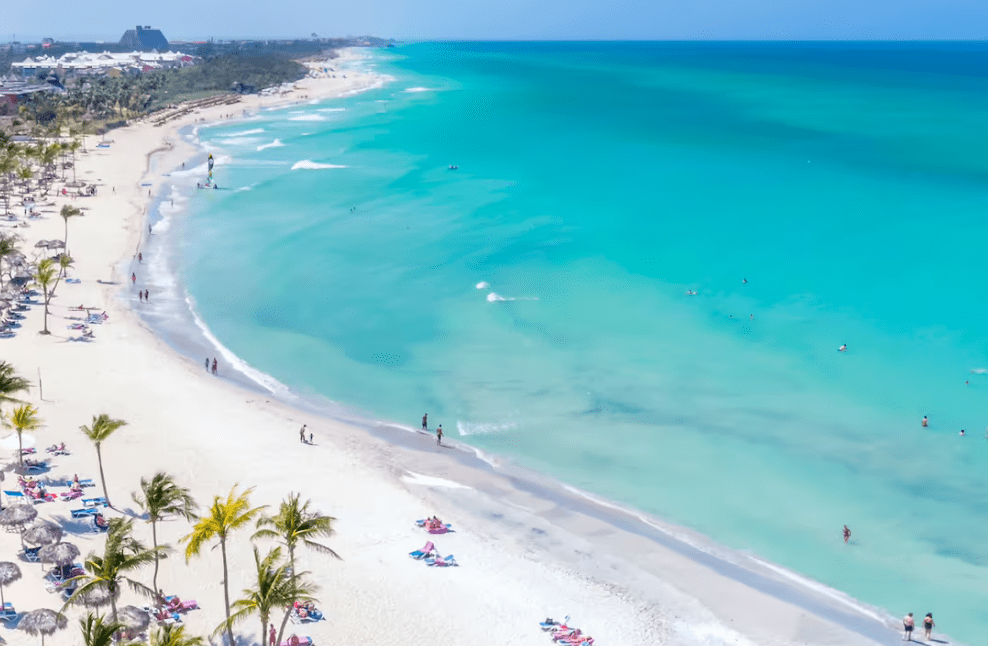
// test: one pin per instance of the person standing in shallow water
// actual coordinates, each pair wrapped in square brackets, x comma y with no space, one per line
[425,422]
[214,365]
[908,623]
[928,626]
[439,434]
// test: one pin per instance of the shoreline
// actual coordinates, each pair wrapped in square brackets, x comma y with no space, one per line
[587,544]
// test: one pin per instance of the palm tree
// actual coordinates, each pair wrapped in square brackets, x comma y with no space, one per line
[8,248]
[96,632]
[46,276]
[276,587]
[223,517]
[105,574]
[295,525]
[173,635]
[10,384]
[102,428]
[64,262]
[24,418]
[66,213]
[161,497]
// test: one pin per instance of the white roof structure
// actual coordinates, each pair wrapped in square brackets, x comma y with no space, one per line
[88,61]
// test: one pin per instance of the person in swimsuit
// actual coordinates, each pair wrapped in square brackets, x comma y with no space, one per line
[908,623]
[847,534]
[926,422]
[425,422]
[439,434]
[843,348]
[928,625]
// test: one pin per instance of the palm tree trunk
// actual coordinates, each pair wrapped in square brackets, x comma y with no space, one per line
[154,542]
[20,449]
[264,624]
[2,602]
[45,331]
[284,622]
[226,593]
[99,457]
[66,235]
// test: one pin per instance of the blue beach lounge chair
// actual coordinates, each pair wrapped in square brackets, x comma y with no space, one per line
[94,502]
[8,613]
[422,553]
[84,513]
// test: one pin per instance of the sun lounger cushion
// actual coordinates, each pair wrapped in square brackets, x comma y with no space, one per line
[82,513]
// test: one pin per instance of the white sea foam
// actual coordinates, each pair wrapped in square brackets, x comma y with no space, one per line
[979,371]
[494,297]
[266,381]
[822,589]
[430,481]
[331,110]
[252,131]
[414,90]
[242,189]
[475,428]
[236,141]
[483,285]
[274,144]
[308,164]
[308,117]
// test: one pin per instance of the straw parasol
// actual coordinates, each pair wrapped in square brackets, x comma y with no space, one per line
[43,532]
[9,572]
[42,622]
[59,553]
[18,515]
[96,596]
[40,243]
[133,618]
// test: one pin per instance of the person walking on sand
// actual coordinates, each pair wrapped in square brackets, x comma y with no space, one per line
[146,294]
[439,435]
[133,279]
[301,434]
[214,365]
[908,623]
[272,634]
[425,422]
[207,364]
[847,533]
[928,626]
[140,257]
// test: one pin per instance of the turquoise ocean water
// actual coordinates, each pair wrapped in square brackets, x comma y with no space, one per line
[599,183]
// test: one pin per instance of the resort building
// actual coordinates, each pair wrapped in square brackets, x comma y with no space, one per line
[101,63]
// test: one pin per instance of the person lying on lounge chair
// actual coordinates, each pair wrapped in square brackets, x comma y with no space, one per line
[100,521]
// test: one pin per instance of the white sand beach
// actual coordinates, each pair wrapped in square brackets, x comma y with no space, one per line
[526,550]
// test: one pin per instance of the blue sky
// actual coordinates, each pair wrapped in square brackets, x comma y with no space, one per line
[503,19]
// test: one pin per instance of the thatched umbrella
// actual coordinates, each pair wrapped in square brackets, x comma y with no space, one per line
[43,532]
[40,243]
[133,618]
[96,596]
[9,572]
[42,622]
[59,553]
[18,515]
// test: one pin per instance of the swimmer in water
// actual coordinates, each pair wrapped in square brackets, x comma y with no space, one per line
[925,422]
[843,348]
[744,281]
[962,433]
[847,534]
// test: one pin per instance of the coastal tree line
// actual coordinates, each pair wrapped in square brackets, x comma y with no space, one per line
[277,584]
